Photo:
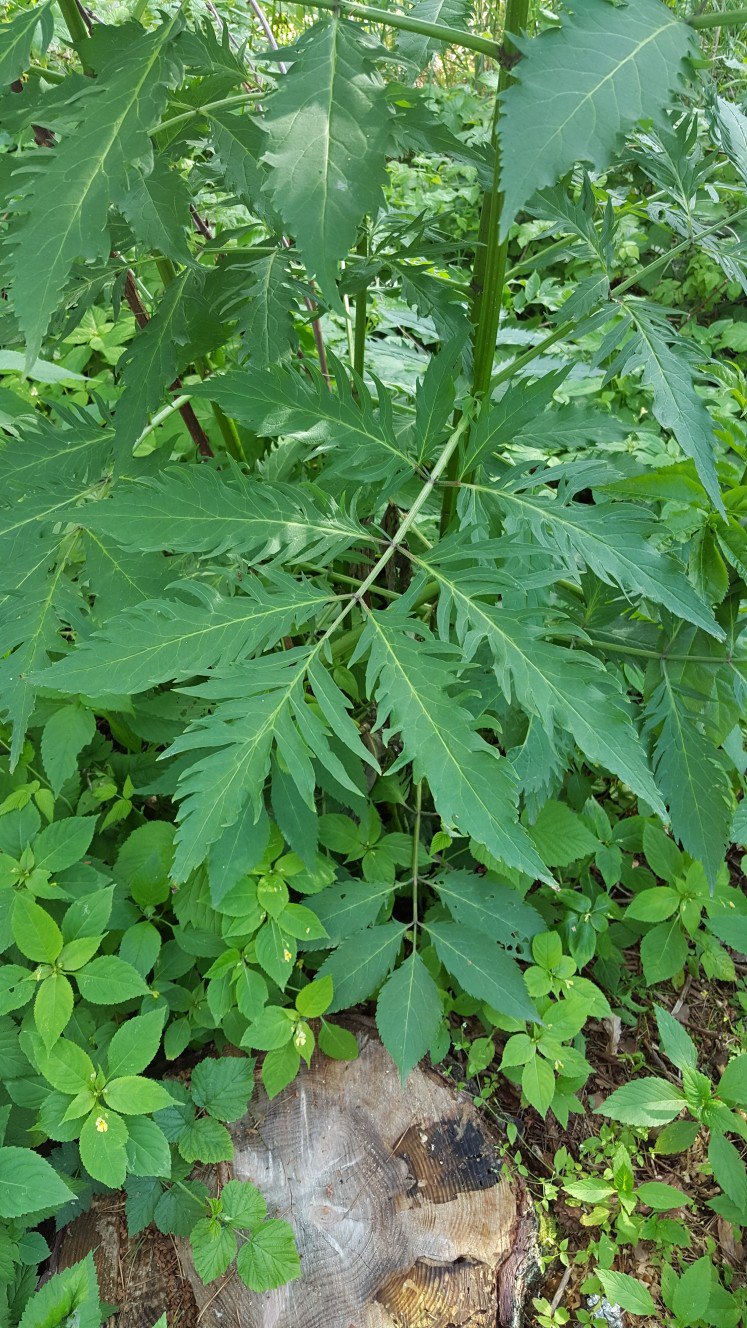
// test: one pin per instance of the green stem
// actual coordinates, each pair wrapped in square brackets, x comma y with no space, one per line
[565,329]
[76,26]
[490,268]
[728,18]
[238,99]
[361,316]
[415,859]
[227,427]
[392,19]
[138,9]
[489,274]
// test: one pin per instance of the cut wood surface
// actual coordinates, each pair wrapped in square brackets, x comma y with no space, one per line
[404,1215]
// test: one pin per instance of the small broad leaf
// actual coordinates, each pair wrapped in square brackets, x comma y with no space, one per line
[53,1007]
[626,1291]
[269,1258]
[676,1044]
[135,1096]
[63,843]
[65,734]
[35,933]
[109,980]
[648,1101]
[213,1248]
[103,1147]
[28,1183]
[223,1086]
[135,1044]
[148,1152]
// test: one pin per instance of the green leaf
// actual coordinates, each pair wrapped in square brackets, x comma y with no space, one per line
[482,968]
[242,1205]
[473,788]
[349,906]
[17,40]
[65,734]
[35,933]
[53,1007]
[581,87]
[263,311]
[676,403]
[664,951]
[314,999]
[560,835]
[338,1043]
[213,1248]
[29,1183]
[538,1084]
[270,1030]
[66,1067]
[103,1147]
[485,904]
[653,905]
[661,1197]
[223,1086]
[648,1101]
[63,843]
[692,1292]
[135,1096]
[165,640]
[449,13]
[135,1043]
[148,1152]
[206,1140]
[408,1013]
[86,171]
[618,543]
[676,1044]
[270,1258]
[677,1137]
[109,980]
[692,775]
[359,966]
[326,132]
[156,206]
[626,1291]
[732,930]
[279,1068]
[732,1085]
[237,851]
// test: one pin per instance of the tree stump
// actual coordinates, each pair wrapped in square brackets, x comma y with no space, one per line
[404,1215]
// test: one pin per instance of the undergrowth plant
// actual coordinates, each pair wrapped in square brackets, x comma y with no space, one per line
[312,673]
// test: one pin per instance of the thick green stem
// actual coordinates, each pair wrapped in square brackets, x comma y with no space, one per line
[489,273]
[728,18]
[361,316]
[77,27]
[490,267]
[391,19]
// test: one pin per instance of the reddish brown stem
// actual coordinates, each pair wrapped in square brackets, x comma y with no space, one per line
[140,314]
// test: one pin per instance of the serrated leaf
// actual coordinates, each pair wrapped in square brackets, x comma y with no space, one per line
[109,980]
[269,1258]
[473,789]
[65,734]
[449,13]
[626,1291]
[213,1248]
[135,1044]
[17,40]
[560,835]
[223,1086]
[360,965]
[29,1183]
[581,87]
[408,1013]
[86,171]
[326,131]
[171,640]
[156,206]
[692,776]
[482,969]
[647,1101]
